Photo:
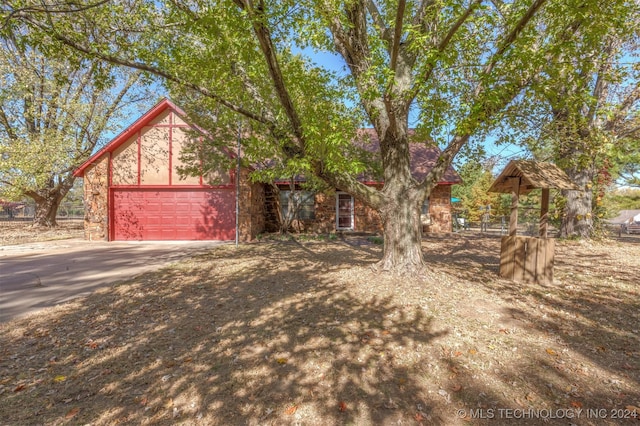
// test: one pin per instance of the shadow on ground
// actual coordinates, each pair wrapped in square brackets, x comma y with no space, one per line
[289,333]
[231,335]
[587,370]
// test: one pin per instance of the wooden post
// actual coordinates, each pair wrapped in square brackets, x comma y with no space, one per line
[515,195]
[544,213]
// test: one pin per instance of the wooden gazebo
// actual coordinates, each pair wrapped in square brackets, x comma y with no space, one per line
[529,259]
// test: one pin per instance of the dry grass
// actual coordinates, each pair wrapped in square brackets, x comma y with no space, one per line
[19,232]
[306,333]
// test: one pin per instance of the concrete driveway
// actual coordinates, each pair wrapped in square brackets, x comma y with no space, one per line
[38,275]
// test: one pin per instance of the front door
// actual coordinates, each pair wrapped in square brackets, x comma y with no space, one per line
[344,211]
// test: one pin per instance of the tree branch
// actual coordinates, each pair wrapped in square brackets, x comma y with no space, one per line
[382,28]
[397,34]
[263,34]
[148,68]
[624,108]
[443,45]
[7,125]
[418,18]
[511,37]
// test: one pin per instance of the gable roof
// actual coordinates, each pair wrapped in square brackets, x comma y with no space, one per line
[625,216]
[126,134]
[423,156]
[532,174]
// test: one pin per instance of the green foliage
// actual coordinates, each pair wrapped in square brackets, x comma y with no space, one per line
[621,199]
[461,64]
[473,192]
[53,112]
[376,240]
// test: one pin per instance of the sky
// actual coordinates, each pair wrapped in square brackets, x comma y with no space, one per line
[503,153]
[332,62]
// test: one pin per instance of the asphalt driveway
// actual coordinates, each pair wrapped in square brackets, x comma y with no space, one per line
[39,275]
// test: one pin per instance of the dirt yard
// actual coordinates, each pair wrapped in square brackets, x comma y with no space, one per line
[18,232]
[305,333]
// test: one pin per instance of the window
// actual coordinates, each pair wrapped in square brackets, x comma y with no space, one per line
[303,204]
[425,207]
[425,217]
[344,211]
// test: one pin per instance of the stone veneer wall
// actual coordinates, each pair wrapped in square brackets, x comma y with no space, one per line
[368,220]
[365,218]
[440,210]
[96,197]
[252,208]
[325,221]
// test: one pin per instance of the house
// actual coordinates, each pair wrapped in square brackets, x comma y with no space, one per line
[332,211]
[625,217]
[133,191]
[627,221]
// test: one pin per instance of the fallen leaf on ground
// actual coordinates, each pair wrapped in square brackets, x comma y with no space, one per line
[291,410]
[19,388]
[342,406]
[281,360]
[71,413]
[551,352]
[59,379]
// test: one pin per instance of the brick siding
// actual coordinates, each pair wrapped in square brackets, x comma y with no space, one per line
[440,210]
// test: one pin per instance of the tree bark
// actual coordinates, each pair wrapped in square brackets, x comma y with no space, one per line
[402,232]
[401,208]
[47,201]
[577,219]
[46,210]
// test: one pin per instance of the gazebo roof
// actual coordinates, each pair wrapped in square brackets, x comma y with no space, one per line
[532,175]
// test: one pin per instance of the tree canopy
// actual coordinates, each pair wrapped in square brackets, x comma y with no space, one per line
[583,115]
[456,65]
[53,113]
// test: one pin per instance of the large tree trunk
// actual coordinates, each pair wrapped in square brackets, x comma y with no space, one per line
[48,201]
[577,220]
[402,232]
[400,211]
[47,210]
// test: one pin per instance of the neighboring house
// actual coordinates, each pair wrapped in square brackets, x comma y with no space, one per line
[628,221]
[11,209]
[625,217]
[133,191]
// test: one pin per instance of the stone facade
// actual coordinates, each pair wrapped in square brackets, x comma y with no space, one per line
[365,218]
[440,210]
[96,201]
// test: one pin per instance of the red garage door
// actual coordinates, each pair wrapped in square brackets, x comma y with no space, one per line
[173,214]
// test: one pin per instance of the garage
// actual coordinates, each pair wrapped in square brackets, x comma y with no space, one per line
[135,187]
[173,214]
